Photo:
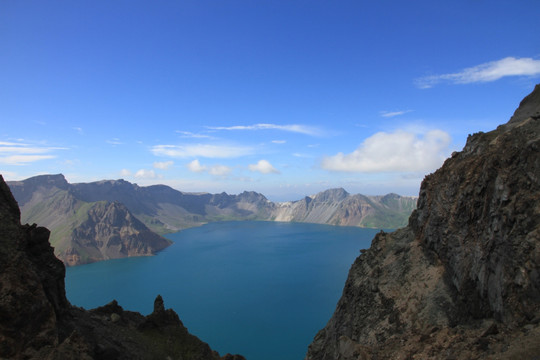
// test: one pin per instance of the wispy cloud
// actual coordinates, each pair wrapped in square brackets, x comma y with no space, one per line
[301,129]
[114,141]
[19,153]
[217,170]
[490,71]
[125,172]
[201,150]
[188,134]
[163,165]
[78,130]
[279,141]
[264,167]
[400,151]
[389,114]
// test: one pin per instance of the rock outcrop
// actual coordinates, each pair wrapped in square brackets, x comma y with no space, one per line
[462,280]
[37,321]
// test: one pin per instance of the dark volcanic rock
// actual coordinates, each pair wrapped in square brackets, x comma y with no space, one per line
[32,293]
[37,321]
[462,280]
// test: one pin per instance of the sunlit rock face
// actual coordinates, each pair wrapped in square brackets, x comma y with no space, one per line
[462,280]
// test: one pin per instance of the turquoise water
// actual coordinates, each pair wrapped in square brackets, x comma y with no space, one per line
[260,289]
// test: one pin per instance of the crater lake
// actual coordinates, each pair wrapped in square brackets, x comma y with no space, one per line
[260,289]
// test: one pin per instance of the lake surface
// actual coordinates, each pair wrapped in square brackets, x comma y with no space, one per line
[260,289]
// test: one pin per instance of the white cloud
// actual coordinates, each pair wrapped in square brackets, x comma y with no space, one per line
[201,150]
[23,159]
[195,166]
[218,170]
[394,113]
[145,174]
[163,165]
[400,151]
[24,150]
[20,153]
[264,167]
[125,172]
[279,141]
[78,129]
[490,71]
[301,129]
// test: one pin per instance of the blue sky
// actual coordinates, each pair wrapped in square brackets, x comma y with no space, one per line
[286,98]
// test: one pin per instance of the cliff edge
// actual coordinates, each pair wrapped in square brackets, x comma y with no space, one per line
[38,322]
[462,280]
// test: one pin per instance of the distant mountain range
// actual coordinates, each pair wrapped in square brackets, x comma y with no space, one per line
[115,218]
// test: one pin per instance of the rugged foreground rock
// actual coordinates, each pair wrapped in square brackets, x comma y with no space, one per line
[462,280]
[38,322]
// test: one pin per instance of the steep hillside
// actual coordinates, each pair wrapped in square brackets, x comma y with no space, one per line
[166,210]
[109,231]
[337,207]
[83,232]
[462,280]
[37,321]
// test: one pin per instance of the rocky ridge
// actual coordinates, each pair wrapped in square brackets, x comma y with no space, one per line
[338,207]
[462,280]
[38,322]
[83,232]
[84,229]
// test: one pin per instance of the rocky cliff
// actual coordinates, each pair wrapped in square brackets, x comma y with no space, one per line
[462,280]
[37,321]
[81,231]
[110,231]
[338,207]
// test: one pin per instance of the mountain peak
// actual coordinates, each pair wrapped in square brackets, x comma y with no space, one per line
[57,180]
[336,194]
[528,107]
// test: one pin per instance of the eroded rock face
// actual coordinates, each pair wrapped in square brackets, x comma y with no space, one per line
[110,231]
[37,321]
[462,280]
[32,293]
